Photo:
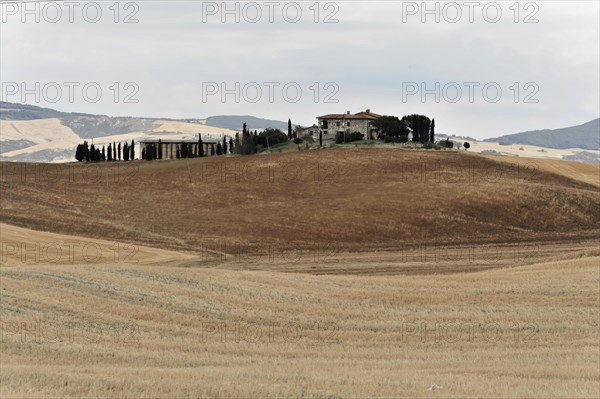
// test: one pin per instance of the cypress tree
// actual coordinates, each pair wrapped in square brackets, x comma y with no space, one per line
[212,150]
[132,155]
[103,154]
[119,151]
[79,153]
[184,149]
[114,151]
[109,153]
[92,153]
[224,145]
[159,149]
[230,145]
[86,151]
[200,146]
[237,146]
[248,146]
[125,152]
[219,149]
[432,132]
[289,129]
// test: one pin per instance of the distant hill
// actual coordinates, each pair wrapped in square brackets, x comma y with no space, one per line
[35,134]
[84,125]
[586,136]
[235,122]
[25,112]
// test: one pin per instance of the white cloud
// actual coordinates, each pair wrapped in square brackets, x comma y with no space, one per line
[368,54]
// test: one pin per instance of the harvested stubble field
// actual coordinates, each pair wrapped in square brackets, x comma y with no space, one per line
[349,199]
[373,273]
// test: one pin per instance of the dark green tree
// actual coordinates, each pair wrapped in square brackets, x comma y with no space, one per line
[86,151]
[114,151]
[238,144]
[248,146]
[200,146]
[466,145]
[103,154]
[219,149]
[275,136]
[132,155]
[125,152]
[224,146]
[390,128]
[119,151]
[109,153]
[79,156]
[432,132]
[184,150]
[159,149]
[419,124]
[289,129]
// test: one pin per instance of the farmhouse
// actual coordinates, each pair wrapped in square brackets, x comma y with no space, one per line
[170,147]
[361,122]
[312,131]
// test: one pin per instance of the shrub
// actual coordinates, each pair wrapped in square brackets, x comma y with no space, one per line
[298,140]
[342,137]
[446,143]
[395,139]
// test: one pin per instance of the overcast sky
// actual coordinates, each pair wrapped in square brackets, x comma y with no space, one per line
[178,56]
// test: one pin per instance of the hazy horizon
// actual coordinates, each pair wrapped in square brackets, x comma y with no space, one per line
[306,125]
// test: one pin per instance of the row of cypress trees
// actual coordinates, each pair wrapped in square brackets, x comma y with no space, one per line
[114,152]
[187,150]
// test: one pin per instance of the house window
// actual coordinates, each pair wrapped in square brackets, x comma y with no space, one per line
[338,124]
[348,124]
[325,123]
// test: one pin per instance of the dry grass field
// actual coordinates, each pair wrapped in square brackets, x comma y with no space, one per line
[347,273]
[351,199]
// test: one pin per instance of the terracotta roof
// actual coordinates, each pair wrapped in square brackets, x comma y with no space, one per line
[360,115]
[370,115]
